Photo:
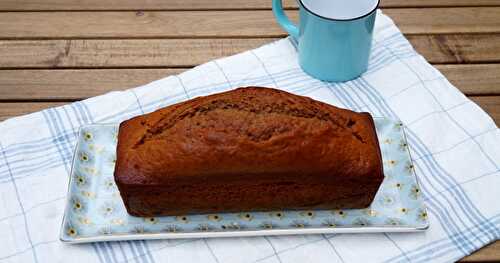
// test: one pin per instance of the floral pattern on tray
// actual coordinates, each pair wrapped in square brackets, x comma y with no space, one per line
[95,208]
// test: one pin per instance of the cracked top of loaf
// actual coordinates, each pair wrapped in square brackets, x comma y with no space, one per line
[252,133]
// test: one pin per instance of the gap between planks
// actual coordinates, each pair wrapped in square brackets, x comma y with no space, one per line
[117,5]
[202,24]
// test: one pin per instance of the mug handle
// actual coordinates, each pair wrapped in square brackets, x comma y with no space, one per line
[283,20]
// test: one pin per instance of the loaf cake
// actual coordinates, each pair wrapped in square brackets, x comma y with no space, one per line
[249,149]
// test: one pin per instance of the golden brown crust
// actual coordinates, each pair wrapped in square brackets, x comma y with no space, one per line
[237,150]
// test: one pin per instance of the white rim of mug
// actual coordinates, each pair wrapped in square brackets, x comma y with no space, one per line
[336,19]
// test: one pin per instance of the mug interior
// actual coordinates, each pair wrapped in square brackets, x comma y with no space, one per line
[340,9]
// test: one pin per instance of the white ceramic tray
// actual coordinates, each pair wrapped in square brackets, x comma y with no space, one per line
[95,211]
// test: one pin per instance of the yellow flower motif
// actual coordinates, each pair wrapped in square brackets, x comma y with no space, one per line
[80,180]
[267,225]
[183,219]
[109,183]
[399,185]
[387,200]
[299,224]
[87,136]
[214,217]
[393,221]
[422,215]
[388,141]
[415,192]
[329,223]
[77,205]
[172,228]
[404,210]
[71,232]
[233,225]
[340,213]
[90,170]
[391,162]
[204,227]
[151,220]
[360,221]
[398,126]
[246,216]
[371,212]
[309,214]
[88,194]
[107,209]
[84,157]
[403,145]
[139,230]
[409,167]
[96,148]
[117,221]
[85,220]
[278,214]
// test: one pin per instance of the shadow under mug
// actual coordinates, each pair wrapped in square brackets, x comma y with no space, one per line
[334,42]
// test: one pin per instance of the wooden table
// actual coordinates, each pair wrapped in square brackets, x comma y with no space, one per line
[57,51]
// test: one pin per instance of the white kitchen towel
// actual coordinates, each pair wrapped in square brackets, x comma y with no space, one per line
[455,146]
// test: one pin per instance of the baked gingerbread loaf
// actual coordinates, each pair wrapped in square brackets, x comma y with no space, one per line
[249,149]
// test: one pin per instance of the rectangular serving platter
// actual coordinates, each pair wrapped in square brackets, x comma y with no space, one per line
[95,211]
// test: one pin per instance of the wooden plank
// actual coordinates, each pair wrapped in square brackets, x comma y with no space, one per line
[150,24]
[490,104]
[436,3]
[27,5]
[73,84]
[474,79]
[196,24]
[107,53]
[13,109]
[446,20]
[490,253]
[76,84]
[119,52]
[458,48]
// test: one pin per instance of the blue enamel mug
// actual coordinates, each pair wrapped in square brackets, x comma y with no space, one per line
[334,36]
